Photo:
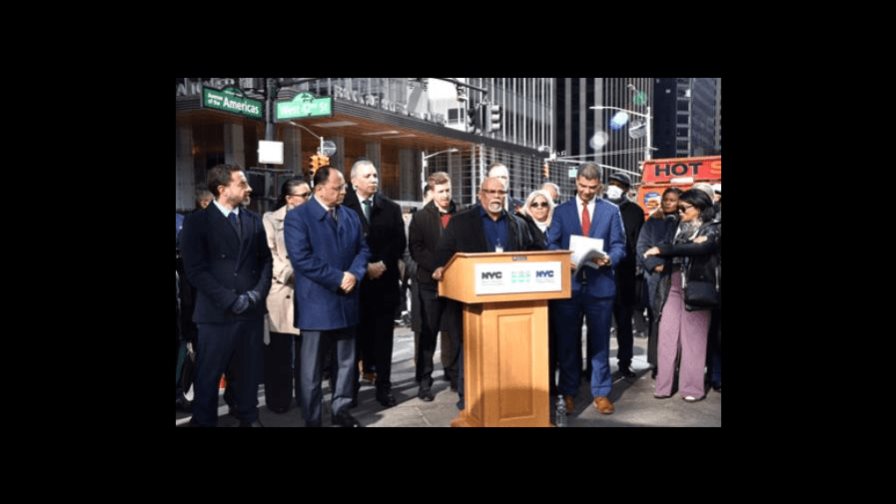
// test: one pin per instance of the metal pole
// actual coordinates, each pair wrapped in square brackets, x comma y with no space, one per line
[647,155]
[422,172]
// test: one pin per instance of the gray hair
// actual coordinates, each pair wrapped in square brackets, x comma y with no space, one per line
[359,163]
[589,171]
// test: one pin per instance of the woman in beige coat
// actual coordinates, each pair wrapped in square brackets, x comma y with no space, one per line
[281,363]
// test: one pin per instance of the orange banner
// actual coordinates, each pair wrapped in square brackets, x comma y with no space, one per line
[683,170]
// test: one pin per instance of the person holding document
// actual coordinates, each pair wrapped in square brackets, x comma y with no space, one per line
[593,288]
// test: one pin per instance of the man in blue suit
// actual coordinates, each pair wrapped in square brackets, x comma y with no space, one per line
[593,290]
[325,243]
[227,260]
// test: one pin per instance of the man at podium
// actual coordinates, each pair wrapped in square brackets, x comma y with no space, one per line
[593,288]
[486,227]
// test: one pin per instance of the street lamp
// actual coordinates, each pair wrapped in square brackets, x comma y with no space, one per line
[648,148]
[424,157]
[327,147]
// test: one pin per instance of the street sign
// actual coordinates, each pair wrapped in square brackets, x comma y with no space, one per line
[640,98]
[303,105]
[229,100]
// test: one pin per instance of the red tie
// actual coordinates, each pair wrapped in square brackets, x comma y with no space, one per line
[586,219]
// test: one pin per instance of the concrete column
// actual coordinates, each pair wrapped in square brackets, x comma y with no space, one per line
[292,151]
[409,182]
[374,153]
[183,161]
[234,150]
[338,159]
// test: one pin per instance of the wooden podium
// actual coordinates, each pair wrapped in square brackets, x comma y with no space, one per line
[505,319]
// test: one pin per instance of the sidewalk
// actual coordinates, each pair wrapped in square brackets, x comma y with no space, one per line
[633,398]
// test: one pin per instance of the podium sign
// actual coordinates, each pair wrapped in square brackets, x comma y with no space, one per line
[503,278]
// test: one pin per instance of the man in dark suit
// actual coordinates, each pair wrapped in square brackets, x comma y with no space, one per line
[383,230]
[593,289]
[325,244]
[618,185]
[436,313]
[486,227]
[227,260]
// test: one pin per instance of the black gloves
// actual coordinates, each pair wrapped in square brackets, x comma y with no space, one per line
[245,301]
[253,297]
[241,304]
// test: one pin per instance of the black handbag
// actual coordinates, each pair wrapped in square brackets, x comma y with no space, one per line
[701,294]
[188,370]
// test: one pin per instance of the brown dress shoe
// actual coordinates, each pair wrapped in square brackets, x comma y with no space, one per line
[570,404]
[604,405]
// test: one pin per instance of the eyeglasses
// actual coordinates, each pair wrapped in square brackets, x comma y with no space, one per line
[683,208]
[495,192]
[302,195]
[539,205]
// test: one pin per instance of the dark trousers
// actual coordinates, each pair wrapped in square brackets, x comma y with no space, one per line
[238,345]
[436,313]
[623,314]
[567,317]
[281,369]
[714,348]
[653,331]
[375,336]
[315,348]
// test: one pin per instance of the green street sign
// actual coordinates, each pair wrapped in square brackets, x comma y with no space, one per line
[229,100]
[640,98]
[303,105]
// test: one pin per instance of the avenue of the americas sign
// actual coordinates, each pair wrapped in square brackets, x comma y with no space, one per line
[228,100]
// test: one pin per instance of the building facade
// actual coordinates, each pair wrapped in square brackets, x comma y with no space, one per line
[688,117]
[586,134]
[407,127]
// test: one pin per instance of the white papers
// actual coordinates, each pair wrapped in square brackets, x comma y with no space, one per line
[585,249]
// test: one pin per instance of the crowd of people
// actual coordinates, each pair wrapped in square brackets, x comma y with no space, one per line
[310,291]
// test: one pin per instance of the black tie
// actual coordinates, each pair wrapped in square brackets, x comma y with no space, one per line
[235,221]
[332,213]
[368,209]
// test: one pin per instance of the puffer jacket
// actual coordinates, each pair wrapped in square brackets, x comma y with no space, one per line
[700,262]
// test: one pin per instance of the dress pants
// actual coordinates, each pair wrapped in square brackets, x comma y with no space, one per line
[315,348]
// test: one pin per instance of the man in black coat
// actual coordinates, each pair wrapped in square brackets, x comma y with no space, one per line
[383,229]
[227,260]
[486,227]
[623,307]
[427,227]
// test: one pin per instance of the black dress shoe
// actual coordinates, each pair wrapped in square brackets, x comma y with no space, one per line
[425,394]
[345,420]
[626,372]
[278,409]
[386,399]
[183,404]
[255,423]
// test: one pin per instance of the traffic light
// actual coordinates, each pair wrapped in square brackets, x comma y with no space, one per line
[494,118]
[317,161]
[474,119]
[547,170]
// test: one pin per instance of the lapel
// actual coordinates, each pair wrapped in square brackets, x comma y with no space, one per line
[246,226]
[511,232]
[224,228]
